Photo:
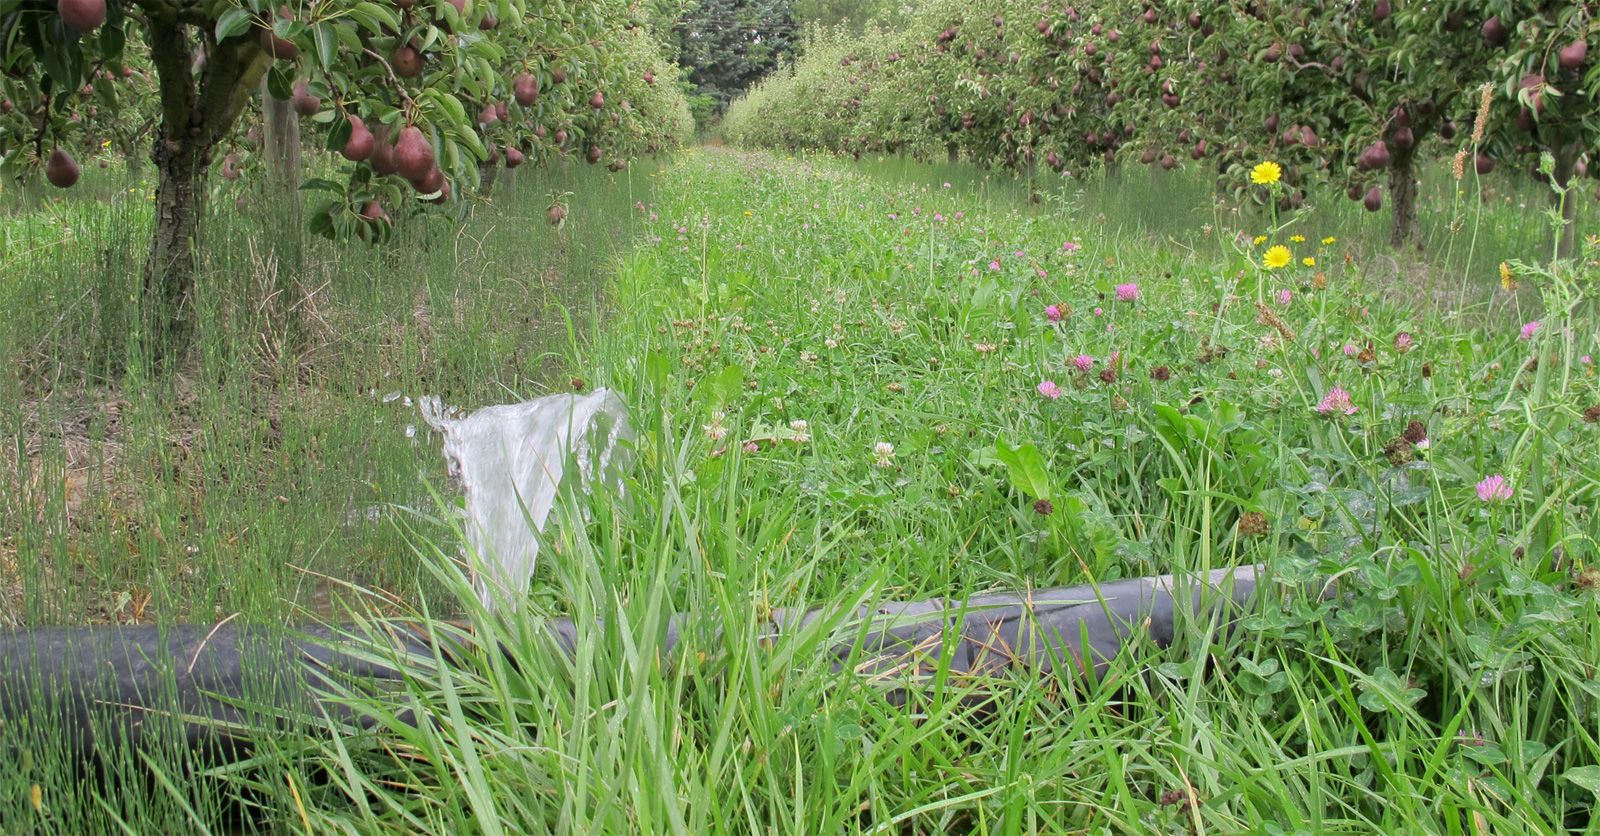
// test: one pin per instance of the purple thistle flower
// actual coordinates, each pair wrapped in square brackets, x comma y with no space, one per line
[1285,297]
[1052,313]
[1084,363]
[1127,292]
[1049,389]
[995,264]
[1529,329]
[1402,341]
[1069,246]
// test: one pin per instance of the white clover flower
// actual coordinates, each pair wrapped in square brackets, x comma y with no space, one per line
[715,430]
[883,454]
[802,430]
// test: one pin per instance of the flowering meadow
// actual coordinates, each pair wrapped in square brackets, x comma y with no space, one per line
[850,388]
[853,388]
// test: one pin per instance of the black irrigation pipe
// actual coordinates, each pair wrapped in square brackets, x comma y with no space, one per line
[93,687]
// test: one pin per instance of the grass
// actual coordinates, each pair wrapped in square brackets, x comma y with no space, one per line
[275,454]
[1448,688]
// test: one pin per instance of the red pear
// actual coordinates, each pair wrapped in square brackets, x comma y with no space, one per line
[303,102]
[598,100]
[525,88]
[514,157]
[1572,55]
[413,154]
[443,195]
[1376,156]
[407,62]
[373,220]
[430,182]
[1374,199]
[279,48]
[1403,139]
[82,16]
[61,170]
[1495,32]
[382,160]
[594,154]
[361,143]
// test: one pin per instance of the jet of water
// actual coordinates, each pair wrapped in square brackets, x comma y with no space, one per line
[510,461]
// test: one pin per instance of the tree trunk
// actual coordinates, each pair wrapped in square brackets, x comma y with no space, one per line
[169,274]
[194,117]
[952,152]
[488,173]
[1566,158]
[280,138]
[1403,197]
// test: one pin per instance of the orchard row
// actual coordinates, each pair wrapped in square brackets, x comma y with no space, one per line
[1351,93]
[421,98]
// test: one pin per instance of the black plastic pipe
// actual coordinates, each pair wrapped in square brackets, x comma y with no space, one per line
[195,684]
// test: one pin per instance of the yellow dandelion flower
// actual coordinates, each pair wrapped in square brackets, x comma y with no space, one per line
[1308,261]
[1266,173]
[1276,257]
[1259,240]
[1508,282]
[1298,239]
[1328,241]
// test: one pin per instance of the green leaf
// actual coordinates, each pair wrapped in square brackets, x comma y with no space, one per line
[232,23]
[1587,777]
[327,42]
[280,81]
[723,386]
[321,222]
[375,17]
[318,184]
[339,135]
[112,39]
[1026,467]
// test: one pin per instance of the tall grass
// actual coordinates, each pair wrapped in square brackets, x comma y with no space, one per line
[273,456]
[1448,687]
